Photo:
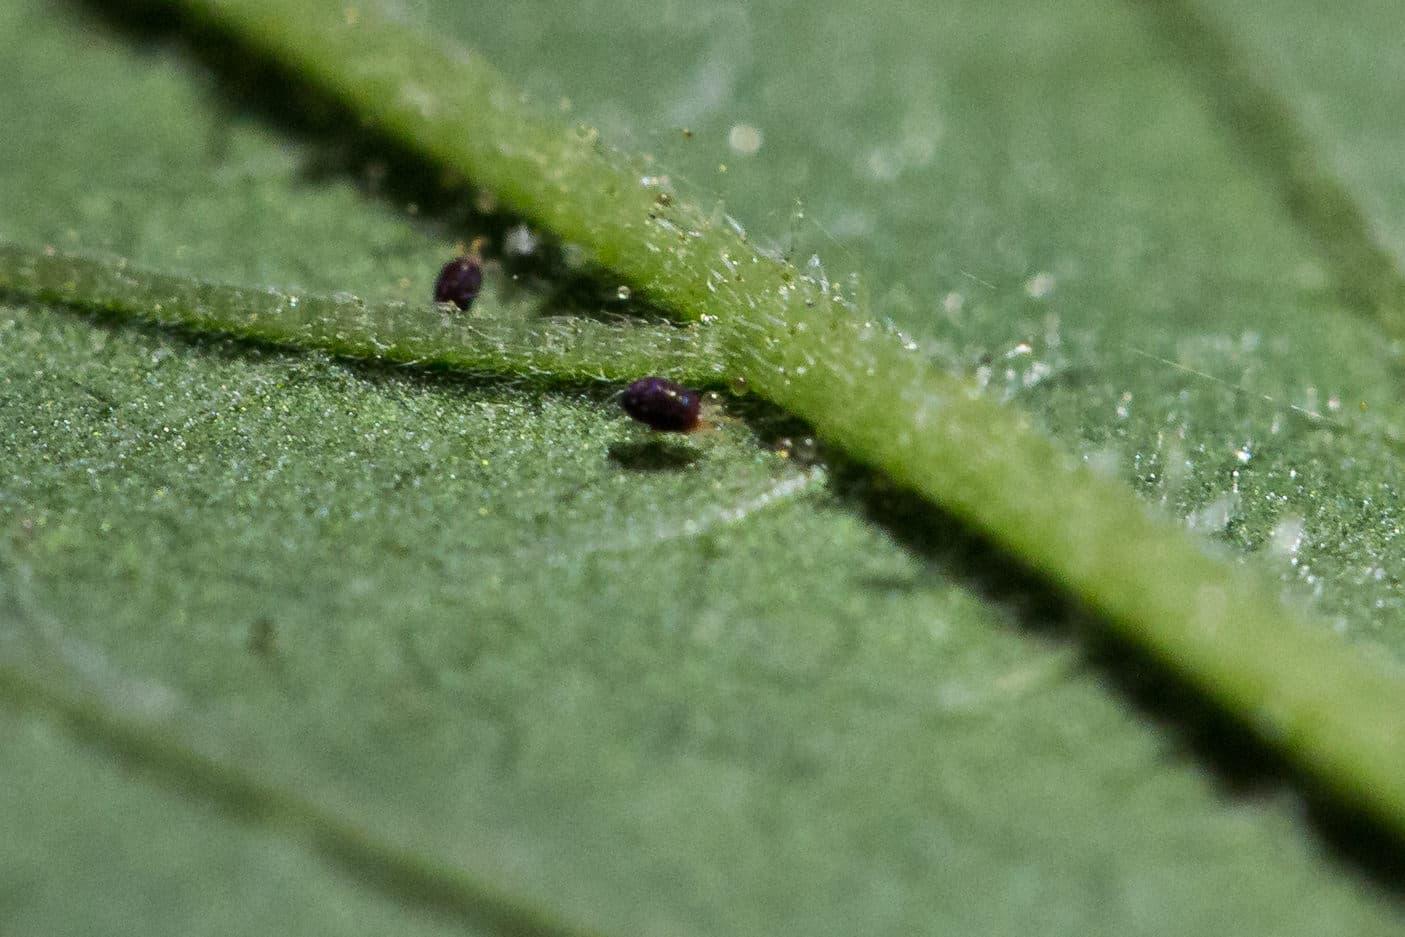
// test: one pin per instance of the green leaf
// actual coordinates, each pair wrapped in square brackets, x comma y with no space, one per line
[74,866]
[477,624]
[1339,89]
[869,391]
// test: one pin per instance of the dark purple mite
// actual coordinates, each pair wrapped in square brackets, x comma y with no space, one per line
[662,405]
[459,282]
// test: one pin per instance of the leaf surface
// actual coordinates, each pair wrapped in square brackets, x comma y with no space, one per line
[688,690]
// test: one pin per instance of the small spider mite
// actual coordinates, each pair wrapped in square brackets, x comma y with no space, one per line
[663,405]
[459,281]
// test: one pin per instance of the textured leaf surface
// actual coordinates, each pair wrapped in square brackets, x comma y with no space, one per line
[689,690]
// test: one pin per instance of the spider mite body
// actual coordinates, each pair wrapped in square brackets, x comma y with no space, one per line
[663,405]
[459,282]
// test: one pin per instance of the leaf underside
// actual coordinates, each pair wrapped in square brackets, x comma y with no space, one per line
[442,645]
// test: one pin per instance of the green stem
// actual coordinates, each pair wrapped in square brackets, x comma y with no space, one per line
[1223,628]
[542,350]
